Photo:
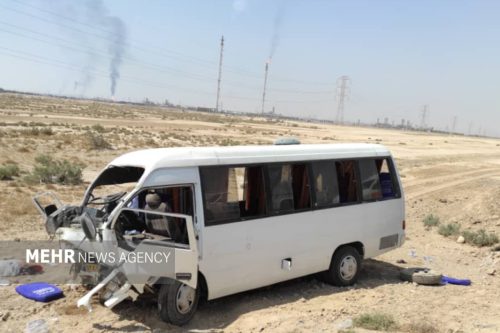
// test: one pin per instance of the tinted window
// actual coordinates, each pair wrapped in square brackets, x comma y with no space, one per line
[231,193]
[347,180]
[388,183]
[370,181]
[325,183]
[289,185]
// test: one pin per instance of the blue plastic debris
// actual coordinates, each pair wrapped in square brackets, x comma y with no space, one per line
[460,282]
[39,291]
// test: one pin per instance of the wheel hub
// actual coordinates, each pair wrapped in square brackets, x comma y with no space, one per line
[185,298]
[348,267]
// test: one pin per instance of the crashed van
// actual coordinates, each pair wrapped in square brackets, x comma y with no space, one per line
[230,219]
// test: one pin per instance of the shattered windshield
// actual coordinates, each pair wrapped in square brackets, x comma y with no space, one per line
[112,185]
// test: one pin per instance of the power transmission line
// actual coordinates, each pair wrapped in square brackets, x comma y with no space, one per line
[58,63]
[424,115]
[220,73]
[147,48]
[342,93]
[65,44]
[68,45]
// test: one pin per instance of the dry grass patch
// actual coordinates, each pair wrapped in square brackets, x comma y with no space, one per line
[480,238]
[376,321]
[421,327]
[450,229]
[431,221]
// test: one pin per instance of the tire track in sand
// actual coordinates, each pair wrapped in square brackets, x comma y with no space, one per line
[419,192]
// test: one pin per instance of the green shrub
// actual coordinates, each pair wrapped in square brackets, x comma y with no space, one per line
[46,131]
[98,128]
[50,171]
[8,171]
[431,221]
[480,238]
[450,229]
[34,131]
[375,321]
[97,141]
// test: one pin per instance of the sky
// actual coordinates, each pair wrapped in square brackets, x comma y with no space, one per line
[398,54]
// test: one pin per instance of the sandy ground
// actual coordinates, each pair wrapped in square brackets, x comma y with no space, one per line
[454,177]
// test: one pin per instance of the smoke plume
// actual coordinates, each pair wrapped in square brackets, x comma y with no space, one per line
[116,50]
[117,37]
[278,20]
[97,32]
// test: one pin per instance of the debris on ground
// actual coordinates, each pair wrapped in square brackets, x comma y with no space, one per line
[4,316]
[11,267]
[460,282]
[345,325]
[39,291]
[37,326]
[420,275]
[14,267]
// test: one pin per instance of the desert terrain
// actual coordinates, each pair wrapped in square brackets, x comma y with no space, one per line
[455,178]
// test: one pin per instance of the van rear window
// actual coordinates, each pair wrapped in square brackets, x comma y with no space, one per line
[377,181]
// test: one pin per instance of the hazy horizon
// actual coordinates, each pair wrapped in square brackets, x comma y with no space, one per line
[399,55]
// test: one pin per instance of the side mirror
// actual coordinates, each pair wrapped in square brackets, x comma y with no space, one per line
[88,227]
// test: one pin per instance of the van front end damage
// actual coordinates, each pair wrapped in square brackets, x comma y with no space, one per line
[130,239]
[119,265]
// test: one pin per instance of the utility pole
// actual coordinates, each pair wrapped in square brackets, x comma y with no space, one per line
[454,125]
[471,124]
[342,93]
[266,70]
[423,120]
[220,73]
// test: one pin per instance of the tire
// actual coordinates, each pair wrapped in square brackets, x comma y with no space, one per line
[407,273]
[177,303]
[424,276]
[344,267]
[429,278]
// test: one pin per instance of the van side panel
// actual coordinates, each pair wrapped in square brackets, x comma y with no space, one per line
[246,255]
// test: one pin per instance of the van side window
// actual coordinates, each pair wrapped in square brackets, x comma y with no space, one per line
[347,180]
[370,181]
[133,221]
[326,184]
[289,185]
[387,179]
[253,202]
[232,193]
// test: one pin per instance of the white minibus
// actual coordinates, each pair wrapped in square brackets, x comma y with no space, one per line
[234,218]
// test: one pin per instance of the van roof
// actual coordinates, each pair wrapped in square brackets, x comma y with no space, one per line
[197,156]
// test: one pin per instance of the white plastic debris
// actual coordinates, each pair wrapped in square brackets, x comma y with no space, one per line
[10,267]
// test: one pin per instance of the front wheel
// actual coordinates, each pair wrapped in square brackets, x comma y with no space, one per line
[177,302]
[344,267]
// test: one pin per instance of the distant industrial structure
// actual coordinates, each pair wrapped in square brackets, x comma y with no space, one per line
[220,74]
[342,93]
[424,116]
[266,70]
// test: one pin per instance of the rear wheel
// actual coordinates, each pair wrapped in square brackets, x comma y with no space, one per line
[344,267]
[177,302]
